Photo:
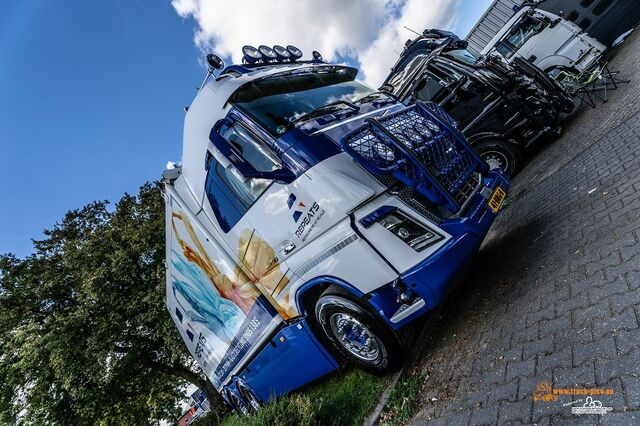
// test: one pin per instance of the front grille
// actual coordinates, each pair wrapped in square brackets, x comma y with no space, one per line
[422,151]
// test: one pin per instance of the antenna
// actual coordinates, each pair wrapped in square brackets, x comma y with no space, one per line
[413,31]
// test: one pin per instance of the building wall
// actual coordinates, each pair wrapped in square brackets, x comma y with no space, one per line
[603,19]
[490,23]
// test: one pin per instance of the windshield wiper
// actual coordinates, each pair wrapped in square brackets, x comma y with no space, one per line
[322,111]
[374,98]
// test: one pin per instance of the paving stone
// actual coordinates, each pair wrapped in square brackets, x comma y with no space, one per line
[458,419]
[631,385]
[539,346]
[485,416]
[631,418]
[633,279]
[618,286]
[601,348]
[567,338]
[517,369]
[584,317]
[506,391]
[606,369]
[512,411]
[548,327]
[555,359]
[622,301]
[624,321]
[583,375]
[565,420]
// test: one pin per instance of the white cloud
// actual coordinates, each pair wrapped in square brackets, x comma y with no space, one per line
[367,31]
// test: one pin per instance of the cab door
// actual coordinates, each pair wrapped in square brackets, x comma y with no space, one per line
[233,199]
[220,252]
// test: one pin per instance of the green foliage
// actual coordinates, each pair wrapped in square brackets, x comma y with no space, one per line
[85,337]
[343,399]
[404,400]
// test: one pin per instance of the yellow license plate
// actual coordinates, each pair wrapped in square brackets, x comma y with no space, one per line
[495,202]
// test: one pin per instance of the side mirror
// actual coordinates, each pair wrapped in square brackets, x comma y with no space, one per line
[228,155]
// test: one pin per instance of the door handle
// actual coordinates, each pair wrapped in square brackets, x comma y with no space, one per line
[287,247]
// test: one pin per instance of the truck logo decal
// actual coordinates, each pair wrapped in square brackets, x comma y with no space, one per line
[296,213]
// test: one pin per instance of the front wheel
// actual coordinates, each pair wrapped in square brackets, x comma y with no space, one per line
[501,155]
[357,335]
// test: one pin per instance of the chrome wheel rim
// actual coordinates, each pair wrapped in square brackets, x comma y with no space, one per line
[253,401]
[355,337]
[496,160]
[240,406]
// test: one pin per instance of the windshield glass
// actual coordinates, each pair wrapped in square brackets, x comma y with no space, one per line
[277,101]
[462,55]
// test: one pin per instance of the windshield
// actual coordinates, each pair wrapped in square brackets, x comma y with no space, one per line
[275,102]
[462,55]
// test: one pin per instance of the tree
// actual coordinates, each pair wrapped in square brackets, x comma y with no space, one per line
[85,337]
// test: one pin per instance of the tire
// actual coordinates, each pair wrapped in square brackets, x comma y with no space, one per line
[554,89]
[252,401]
[358,335]
[501,155]
[237,403]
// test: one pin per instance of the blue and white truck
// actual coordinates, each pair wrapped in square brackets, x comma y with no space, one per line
[312,220]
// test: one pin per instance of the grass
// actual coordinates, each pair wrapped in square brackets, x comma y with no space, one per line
[404,400]
[345,398]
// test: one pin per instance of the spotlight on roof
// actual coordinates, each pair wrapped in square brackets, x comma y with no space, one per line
[282,52]
[214,61]
[294,52]
[267,53]
[251,54]
[317,56]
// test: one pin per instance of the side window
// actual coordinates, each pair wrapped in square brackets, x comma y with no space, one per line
[252,149]
[245,190]
[431,89]
[518,36]
[229,193]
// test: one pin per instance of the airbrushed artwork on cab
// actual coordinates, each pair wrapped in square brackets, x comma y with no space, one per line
[223,305]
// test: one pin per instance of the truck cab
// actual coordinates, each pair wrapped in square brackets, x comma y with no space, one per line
[547,40]
[503,109]
[312,220]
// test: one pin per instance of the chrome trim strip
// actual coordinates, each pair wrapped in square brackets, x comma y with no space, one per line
[315,261]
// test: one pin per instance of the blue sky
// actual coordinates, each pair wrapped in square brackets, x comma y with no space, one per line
[91,101]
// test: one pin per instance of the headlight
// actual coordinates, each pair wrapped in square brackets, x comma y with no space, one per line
[251,54]
[295,52]
[412,233]
[282,52]
[267,53]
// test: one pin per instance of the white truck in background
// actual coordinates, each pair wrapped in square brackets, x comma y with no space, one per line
[549,41]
